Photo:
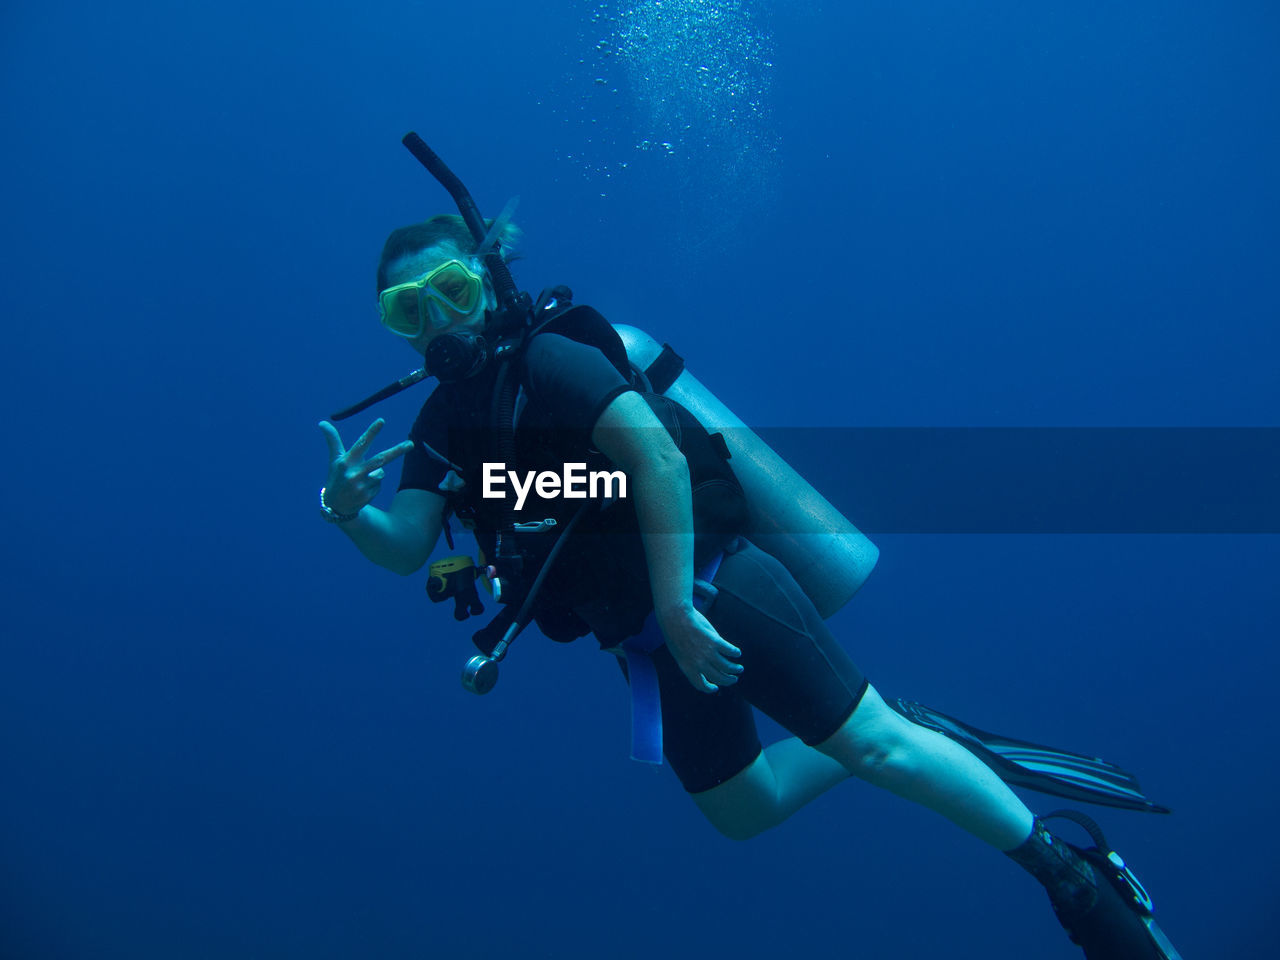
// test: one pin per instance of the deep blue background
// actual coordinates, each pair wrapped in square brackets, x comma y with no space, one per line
[224,734]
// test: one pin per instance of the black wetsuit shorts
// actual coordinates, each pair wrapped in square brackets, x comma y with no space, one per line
[794,671]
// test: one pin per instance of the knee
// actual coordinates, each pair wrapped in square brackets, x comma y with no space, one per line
[739,827]
[875,744]
[880,755]
[876,760]
[740,832]
[738,817]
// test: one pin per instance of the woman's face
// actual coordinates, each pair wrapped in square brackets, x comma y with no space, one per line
[414,266]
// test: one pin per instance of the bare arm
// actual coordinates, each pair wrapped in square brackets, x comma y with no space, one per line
[631,436]
[401,537]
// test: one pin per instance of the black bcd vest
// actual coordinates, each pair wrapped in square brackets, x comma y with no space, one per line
[600,581]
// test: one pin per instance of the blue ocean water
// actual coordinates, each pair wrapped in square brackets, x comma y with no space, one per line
[225,734]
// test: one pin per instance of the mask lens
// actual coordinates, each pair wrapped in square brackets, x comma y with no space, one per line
[400,310]
[457,286]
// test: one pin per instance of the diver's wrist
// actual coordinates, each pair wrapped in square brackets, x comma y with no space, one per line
[675,610]
[335,516]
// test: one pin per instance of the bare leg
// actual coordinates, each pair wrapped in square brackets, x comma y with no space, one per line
[878,745]
[786,776]
[881,747]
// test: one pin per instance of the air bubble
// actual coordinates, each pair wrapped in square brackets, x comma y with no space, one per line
[687,81]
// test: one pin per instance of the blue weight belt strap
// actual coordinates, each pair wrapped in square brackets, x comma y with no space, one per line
[646,704]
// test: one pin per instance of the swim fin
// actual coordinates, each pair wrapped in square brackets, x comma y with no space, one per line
[1121,925]
[1018,763]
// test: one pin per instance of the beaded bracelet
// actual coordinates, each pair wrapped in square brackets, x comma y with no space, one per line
[332,515]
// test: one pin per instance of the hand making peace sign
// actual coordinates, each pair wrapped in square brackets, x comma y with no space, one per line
[354,482]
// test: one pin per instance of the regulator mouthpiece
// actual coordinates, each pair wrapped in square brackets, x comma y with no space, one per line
[456,356]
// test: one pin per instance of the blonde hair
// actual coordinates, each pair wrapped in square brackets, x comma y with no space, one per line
[442,228]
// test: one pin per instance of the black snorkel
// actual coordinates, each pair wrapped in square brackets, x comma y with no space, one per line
[514,306]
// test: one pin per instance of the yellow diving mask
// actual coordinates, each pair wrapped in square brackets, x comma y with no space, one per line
[452,291]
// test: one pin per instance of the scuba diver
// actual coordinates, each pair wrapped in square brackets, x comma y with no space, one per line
[690,560]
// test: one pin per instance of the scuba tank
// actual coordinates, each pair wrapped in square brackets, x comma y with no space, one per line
[829,557]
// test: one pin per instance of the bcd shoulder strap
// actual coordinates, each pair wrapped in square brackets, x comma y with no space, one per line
[666,366]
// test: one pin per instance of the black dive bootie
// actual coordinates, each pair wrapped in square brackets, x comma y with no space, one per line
[1097,900]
